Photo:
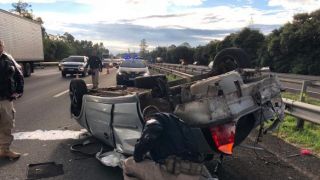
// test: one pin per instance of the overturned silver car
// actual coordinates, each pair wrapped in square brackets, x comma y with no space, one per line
[222,107]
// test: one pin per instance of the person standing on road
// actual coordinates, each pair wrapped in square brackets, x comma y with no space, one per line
[11,88]
[95,65]
[169,142]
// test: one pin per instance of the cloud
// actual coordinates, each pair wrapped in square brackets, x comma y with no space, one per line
[165,16]
[126,22]
[29,1]
[126,26]
[123,36]
[297,5]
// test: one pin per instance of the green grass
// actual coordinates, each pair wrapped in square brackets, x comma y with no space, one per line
[172,77]
[308,99]
[309,137]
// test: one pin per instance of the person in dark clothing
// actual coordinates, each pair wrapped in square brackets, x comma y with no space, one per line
[172,150]
[11,88]
[95,65]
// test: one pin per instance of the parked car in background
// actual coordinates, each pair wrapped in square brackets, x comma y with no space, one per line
[74,65]
[129,70]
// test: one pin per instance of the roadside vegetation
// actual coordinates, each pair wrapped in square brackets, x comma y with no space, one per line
[292,48]
[171,77]
[309,136]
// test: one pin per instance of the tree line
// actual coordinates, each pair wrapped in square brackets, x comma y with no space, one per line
[293,48]
[57,47]
[61,46]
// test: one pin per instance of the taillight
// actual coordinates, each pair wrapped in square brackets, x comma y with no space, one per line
[223,137]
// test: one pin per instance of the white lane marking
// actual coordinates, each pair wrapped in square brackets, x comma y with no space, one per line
[60,94]
[65,92]
[45,135]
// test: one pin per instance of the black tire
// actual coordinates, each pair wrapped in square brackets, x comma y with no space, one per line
[63,74]
[229,59]
[148,82]
[27,69]
[77,89]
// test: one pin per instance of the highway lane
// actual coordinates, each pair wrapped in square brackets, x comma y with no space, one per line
[39,109]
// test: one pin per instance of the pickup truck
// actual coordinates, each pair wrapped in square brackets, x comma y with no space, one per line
[222,107]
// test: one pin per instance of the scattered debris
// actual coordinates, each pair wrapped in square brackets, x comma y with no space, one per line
[44,170]
[111,158]
[303,152]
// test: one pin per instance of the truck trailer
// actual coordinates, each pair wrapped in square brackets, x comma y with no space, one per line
[23,40]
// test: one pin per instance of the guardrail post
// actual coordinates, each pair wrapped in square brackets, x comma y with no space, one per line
[300,122]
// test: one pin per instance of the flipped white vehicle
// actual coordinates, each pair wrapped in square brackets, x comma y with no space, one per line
[221,107]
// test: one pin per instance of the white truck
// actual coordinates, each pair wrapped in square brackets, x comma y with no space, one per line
[23,40]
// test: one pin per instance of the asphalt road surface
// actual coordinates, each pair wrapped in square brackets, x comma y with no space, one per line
[45,106]
[44,131]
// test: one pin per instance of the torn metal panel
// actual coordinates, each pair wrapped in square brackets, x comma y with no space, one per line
[225,98]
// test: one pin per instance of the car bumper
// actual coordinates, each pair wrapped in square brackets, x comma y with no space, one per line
[71,71]
[127,77]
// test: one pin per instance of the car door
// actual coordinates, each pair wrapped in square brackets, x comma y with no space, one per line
[127,124]
[98,115]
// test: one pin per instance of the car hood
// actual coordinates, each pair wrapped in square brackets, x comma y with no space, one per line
[125,69]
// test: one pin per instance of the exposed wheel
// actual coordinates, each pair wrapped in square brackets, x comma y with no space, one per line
[63,74]
[148,82]
[26,69]
[77,89]
[229,59]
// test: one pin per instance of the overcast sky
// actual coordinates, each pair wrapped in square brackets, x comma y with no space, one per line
[121,24]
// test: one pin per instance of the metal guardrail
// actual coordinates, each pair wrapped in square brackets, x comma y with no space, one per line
[192,69]
[297,109]
[48,63]
[171,71]
[302,110]
[313,81]
[42,64]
